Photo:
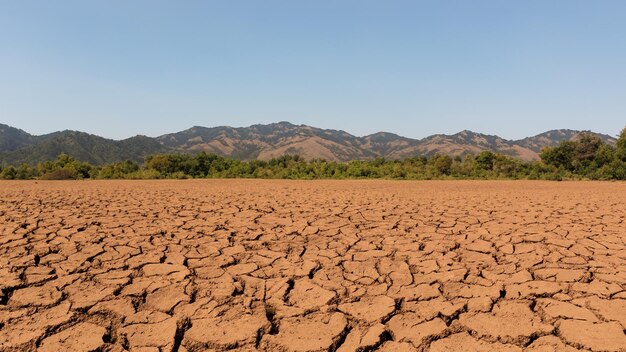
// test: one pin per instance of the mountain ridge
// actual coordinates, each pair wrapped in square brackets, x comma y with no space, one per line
[265,141]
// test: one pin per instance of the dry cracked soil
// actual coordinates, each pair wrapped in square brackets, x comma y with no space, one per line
[312,266]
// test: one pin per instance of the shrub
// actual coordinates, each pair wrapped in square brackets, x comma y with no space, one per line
[61,174]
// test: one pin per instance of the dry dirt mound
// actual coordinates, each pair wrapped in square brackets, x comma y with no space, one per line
[312,266]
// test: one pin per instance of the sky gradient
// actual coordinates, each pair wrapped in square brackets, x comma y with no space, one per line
[120,68]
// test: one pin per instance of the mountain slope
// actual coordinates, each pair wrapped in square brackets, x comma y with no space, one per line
[84,147]
[268,141]
[464,142]
[554,137]
[265,142]
[12,138]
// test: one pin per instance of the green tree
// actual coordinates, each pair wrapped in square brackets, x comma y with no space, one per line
[586,147]
[63,160]
[616,170]
[25,172]
[561,156]
[8,173]
[621,145]
[505,166]
[604,155]
[64,167]
[484,160]
[442,164]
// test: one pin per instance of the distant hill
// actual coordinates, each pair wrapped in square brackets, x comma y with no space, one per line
[554,137]
[82,146]
[268,141]
[12,138]
[265,142]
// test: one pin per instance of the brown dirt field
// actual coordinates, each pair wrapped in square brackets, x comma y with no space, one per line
[312,266]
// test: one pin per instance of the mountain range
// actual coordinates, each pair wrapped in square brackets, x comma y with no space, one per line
[265,142]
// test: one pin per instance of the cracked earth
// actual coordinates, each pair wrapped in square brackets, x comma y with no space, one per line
[312,266]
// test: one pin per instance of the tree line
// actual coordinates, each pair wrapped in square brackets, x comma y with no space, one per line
[588,157]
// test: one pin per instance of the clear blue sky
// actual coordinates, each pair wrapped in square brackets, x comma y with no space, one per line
[120,68]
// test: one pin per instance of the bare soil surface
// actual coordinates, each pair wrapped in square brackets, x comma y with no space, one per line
[312,266]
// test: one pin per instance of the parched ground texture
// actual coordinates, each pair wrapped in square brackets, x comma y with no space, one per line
[215,265]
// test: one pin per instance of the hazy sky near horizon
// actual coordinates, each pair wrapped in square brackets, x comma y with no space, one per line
[119,68]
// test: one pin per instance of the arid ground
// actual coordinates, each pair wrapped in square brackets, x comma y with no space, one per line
[213,265]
